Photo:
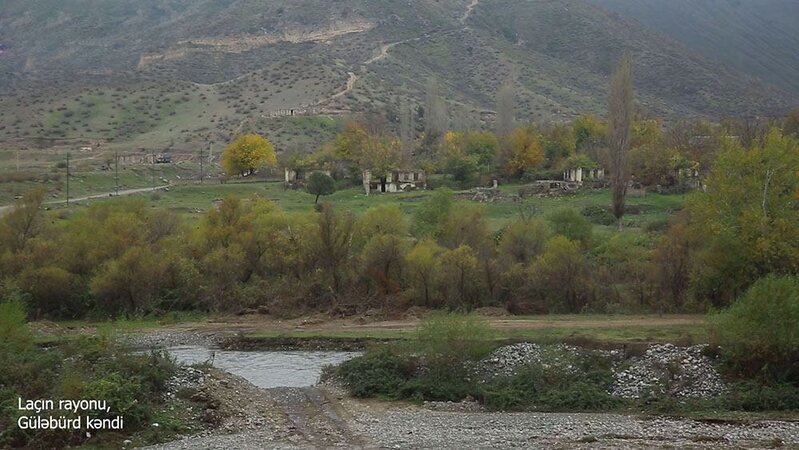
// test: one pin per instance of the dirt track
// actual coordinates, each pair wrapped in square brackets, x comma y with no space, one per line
[262,323]
[325,417]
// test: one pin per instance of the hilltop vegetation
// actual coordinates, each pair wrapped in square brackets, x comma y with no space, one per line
[758,38]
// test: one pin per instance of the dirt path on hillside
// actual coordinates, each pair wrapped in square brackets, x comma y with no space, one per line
[469,10]
[383,53]
[353,78]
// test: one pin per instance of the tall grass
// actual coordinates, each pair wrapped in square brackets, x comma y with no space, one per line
[453,337]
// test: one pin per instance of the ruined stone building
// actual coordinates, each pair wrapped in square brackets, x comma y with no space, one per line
[578,175]
[394,181]
[297,175]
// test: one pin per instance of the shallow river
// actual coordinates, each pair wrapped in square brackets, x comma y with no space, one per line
[265,369]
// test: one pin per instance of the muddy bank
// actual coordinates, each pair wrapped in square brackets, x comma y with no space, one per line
[359,344]
[248,343]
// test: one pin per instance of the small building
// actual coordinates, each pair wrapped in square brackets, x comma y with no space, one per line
[297,175]
[579,174]
[394,181]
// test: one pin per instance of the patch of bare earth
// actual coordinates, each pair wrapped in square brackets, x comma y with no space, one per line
[241,416]
[236,414]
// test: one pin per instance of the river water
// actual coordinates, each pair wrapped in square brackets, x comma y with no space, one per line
[265,369]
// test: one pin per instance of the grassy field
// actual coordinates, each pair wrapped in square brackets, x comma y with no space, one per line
[192,200]
[597,328]
[683,334]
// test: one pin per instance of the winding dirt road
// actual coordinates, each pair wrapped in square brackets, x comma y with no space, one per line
[7,209]
[469,10]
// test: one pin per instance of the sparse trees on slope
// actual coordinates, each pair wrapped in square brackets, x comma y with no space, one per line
[506,110]
[621,119]
[791,126]
[435,113]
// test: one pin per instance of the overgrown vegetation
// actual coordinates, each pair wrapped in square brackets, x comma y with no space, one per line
[84,368]
[759,333]
[562,380]
[124,258]
[439,365]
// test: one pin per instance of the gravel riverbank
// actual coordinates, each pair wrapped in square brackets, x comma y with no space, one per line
[409,427]
[238,415]
[245,417]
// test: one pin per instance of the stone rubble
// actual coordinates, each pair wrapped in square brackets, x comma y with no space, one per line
[186,377]
[665,369]
[506,360]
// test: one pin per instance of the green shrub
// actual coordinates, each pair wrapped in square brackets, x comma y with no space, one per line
[123,397]
[574,383]
[378,373]
[567,222]
[431,367]
[439,382]
[14,331]
[598,215]
[453,338]
[657,226]
[758,334]
[755,396]
[87,367]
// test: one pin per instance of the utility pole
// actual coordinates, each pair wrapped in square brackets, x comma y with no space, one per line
[201,165]
[153,170]
[67,179]
[116,172]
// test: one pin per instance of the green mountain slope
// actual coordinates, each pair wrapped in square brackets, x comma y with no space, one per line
[757,37]
[179,73]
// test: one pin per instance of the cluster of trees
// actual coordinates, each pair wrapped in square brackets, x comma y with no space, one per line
[124,257]
[743,227]
[657,153]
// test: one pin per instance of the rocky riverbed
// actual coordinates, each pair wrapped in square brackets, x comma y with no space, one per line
[236,414]
[239,415]
[663,370]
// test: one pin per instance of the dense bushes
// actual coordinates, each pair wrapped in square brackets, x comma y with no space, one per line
[124,258]
[759,333]
[598,215]
[85,368]
[443,363]
[582,384]
[432,366]
[438,365]
[380,373]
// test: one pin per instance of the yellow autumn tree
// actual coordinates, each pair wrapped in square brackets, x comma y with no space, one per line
[525,151]
[247,154]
